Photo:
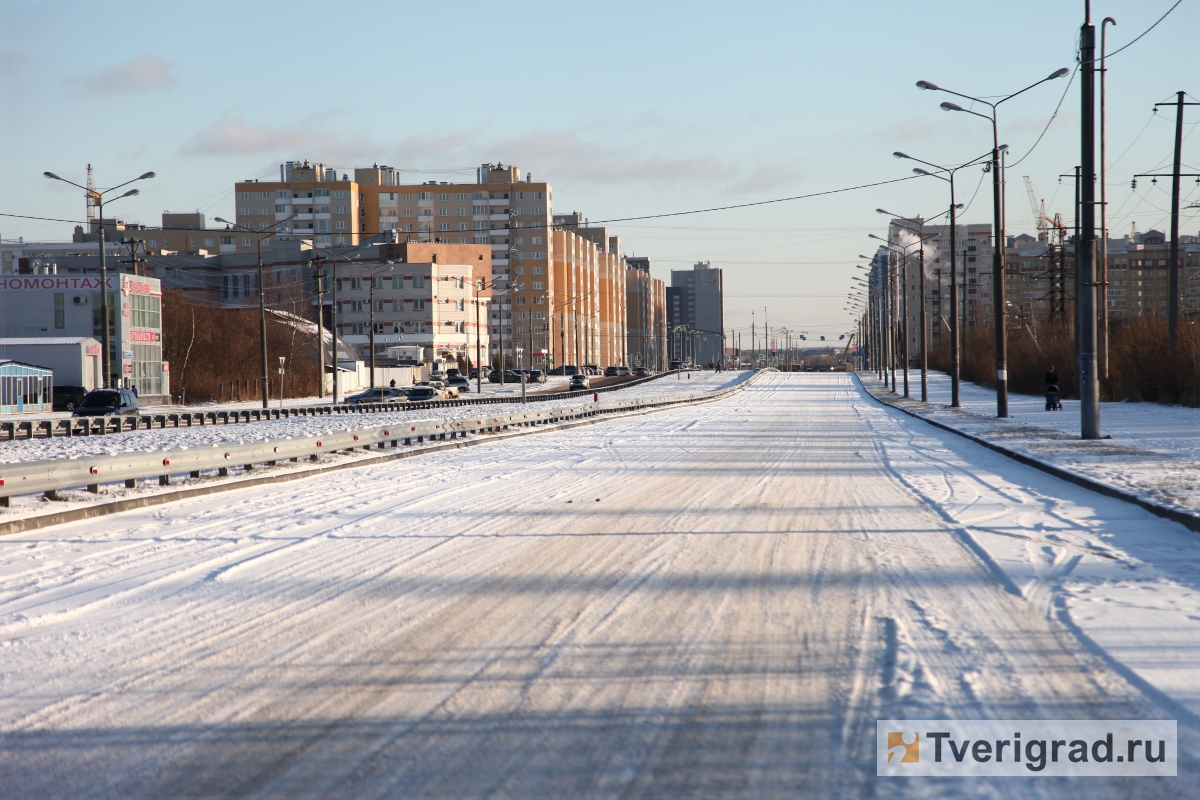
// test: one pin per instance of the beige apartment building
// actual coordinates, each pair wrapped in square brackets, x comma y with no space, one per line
[557,293]
[646,315]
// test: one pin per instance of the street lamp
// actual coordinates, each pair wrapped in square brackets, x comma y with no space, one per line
[998,271]
[371,318]
[110,380]
[920,231]
[265,233]
[903,304]
[942,172]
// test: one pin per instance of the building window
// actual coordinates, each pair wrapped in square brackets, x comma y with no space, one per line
[538,270]
[419,304]
[341,209]
[462,226]
[340,194]
[341,225]
[408,212]
[538,285]
[408,228]
[479,240]
[418,282]
[281,194]
[424,195]
[208,242]
[245,211]
[244,196]
[325,193]
[408,198]
[246,242]
[356,283]
[445,226]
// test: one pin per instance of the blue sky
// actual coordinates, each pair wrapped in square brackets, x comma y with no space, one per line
[626,108]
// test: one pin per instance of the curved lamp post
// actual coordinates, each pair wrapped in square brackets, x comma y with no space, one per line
[998,307]
[110,379]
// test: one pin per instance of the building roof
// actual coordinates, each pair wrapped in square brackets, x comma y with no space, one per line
[8,361]
[47,340]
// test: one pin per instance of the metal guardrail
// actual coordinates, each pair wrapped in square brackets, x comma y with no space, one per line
[54,475]
[13,430]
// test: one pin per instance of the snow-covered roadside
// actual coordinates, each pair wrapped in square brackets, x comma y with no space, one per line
[1154,452]
[35,449]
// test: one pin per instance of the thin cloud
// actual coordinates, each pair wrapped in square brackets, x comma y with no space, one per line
[229,134]
[12,64]
[146,73]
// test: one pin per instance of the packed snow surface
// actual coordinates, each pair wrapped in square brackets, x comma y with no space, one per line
[1151,450]
[712,600]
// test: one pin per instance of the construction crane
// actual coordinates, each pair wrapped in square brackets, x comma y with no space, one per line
[1039,212]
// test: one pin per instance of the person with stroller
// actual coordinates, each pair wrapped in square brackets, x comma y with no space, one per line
[1053,403]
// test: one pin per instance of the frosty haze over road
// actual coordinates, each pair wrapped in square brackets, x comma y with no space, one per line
[713,600]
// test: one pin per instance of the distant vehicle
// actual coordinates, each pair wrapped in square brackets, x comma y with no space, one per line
[611,372]
[473,373]
[68,398]
[810,369]
[676,364]
[624,372]
[592,369]
[453,372]
[494,376]
[460,383]
[580,382]
[442,388]
[386,395]
[566,369]
[641,372]
[421,394]
[536,376]
[107,402]
[514,376]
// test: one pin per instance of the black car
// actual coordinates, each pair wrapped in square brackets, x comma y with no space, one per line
[473,373]
[536,376]
[611,372]
[494,376]
[676,365]
[105,402]
[68,398]
[641,372]
[453,372]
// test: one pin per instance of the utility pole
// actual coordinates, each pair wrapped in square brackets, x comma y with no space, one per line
[1089,383]
[321,327]
[1173,305]
[1103,202]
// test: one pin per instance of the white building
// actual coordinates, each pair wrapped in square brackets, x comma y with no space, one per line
[50,306]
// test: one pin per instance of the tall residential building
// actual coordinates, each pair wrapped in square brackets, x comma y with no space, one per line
[646,310]
[696,302]
[569,278]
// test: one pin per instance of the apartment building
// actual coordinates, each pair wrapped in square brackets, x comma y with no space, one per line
[696,302]
[646,320]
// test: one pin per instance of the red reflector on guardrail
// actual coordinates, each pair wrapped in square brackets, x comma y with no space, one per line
[92,470]
[166,462]
[320,444]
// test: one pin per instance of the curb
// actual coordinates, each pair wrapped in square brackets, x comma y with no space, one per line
[117,506]
[1189,521]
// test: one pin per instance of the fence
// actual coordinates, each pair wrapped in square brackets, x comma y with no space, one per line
[54,475]
[99,426]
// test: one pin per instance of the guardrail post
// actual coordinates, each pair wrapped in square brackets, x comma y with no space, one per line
[222,472]
[94,488]
[51,494]
[195,473]
[164,480]
[131,483]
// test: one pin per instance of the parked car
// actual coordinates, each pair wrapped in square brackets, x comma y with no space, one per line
[473,373]
[610,372]
[566,369]
[536,376]
[107,402]
[384,395]
[68,398]
[453,372]
[676,364]
[514,376]
[592,369]
[460,383]
[580,382]
[624,372]
[494,376]
[445,391]
[641,372]
[421,394]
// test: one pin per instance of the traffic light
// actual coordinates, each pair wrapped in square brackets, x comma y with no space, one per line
[772,351]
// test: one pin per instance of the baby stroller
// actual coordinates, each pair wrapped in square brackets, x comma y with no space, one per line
[1052,401]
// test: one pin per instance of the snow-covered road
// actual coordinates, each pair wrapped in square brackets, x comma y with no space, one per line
[710,600]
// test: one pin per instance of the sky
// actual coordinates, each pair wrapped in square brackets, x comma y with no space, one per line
[627,108]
